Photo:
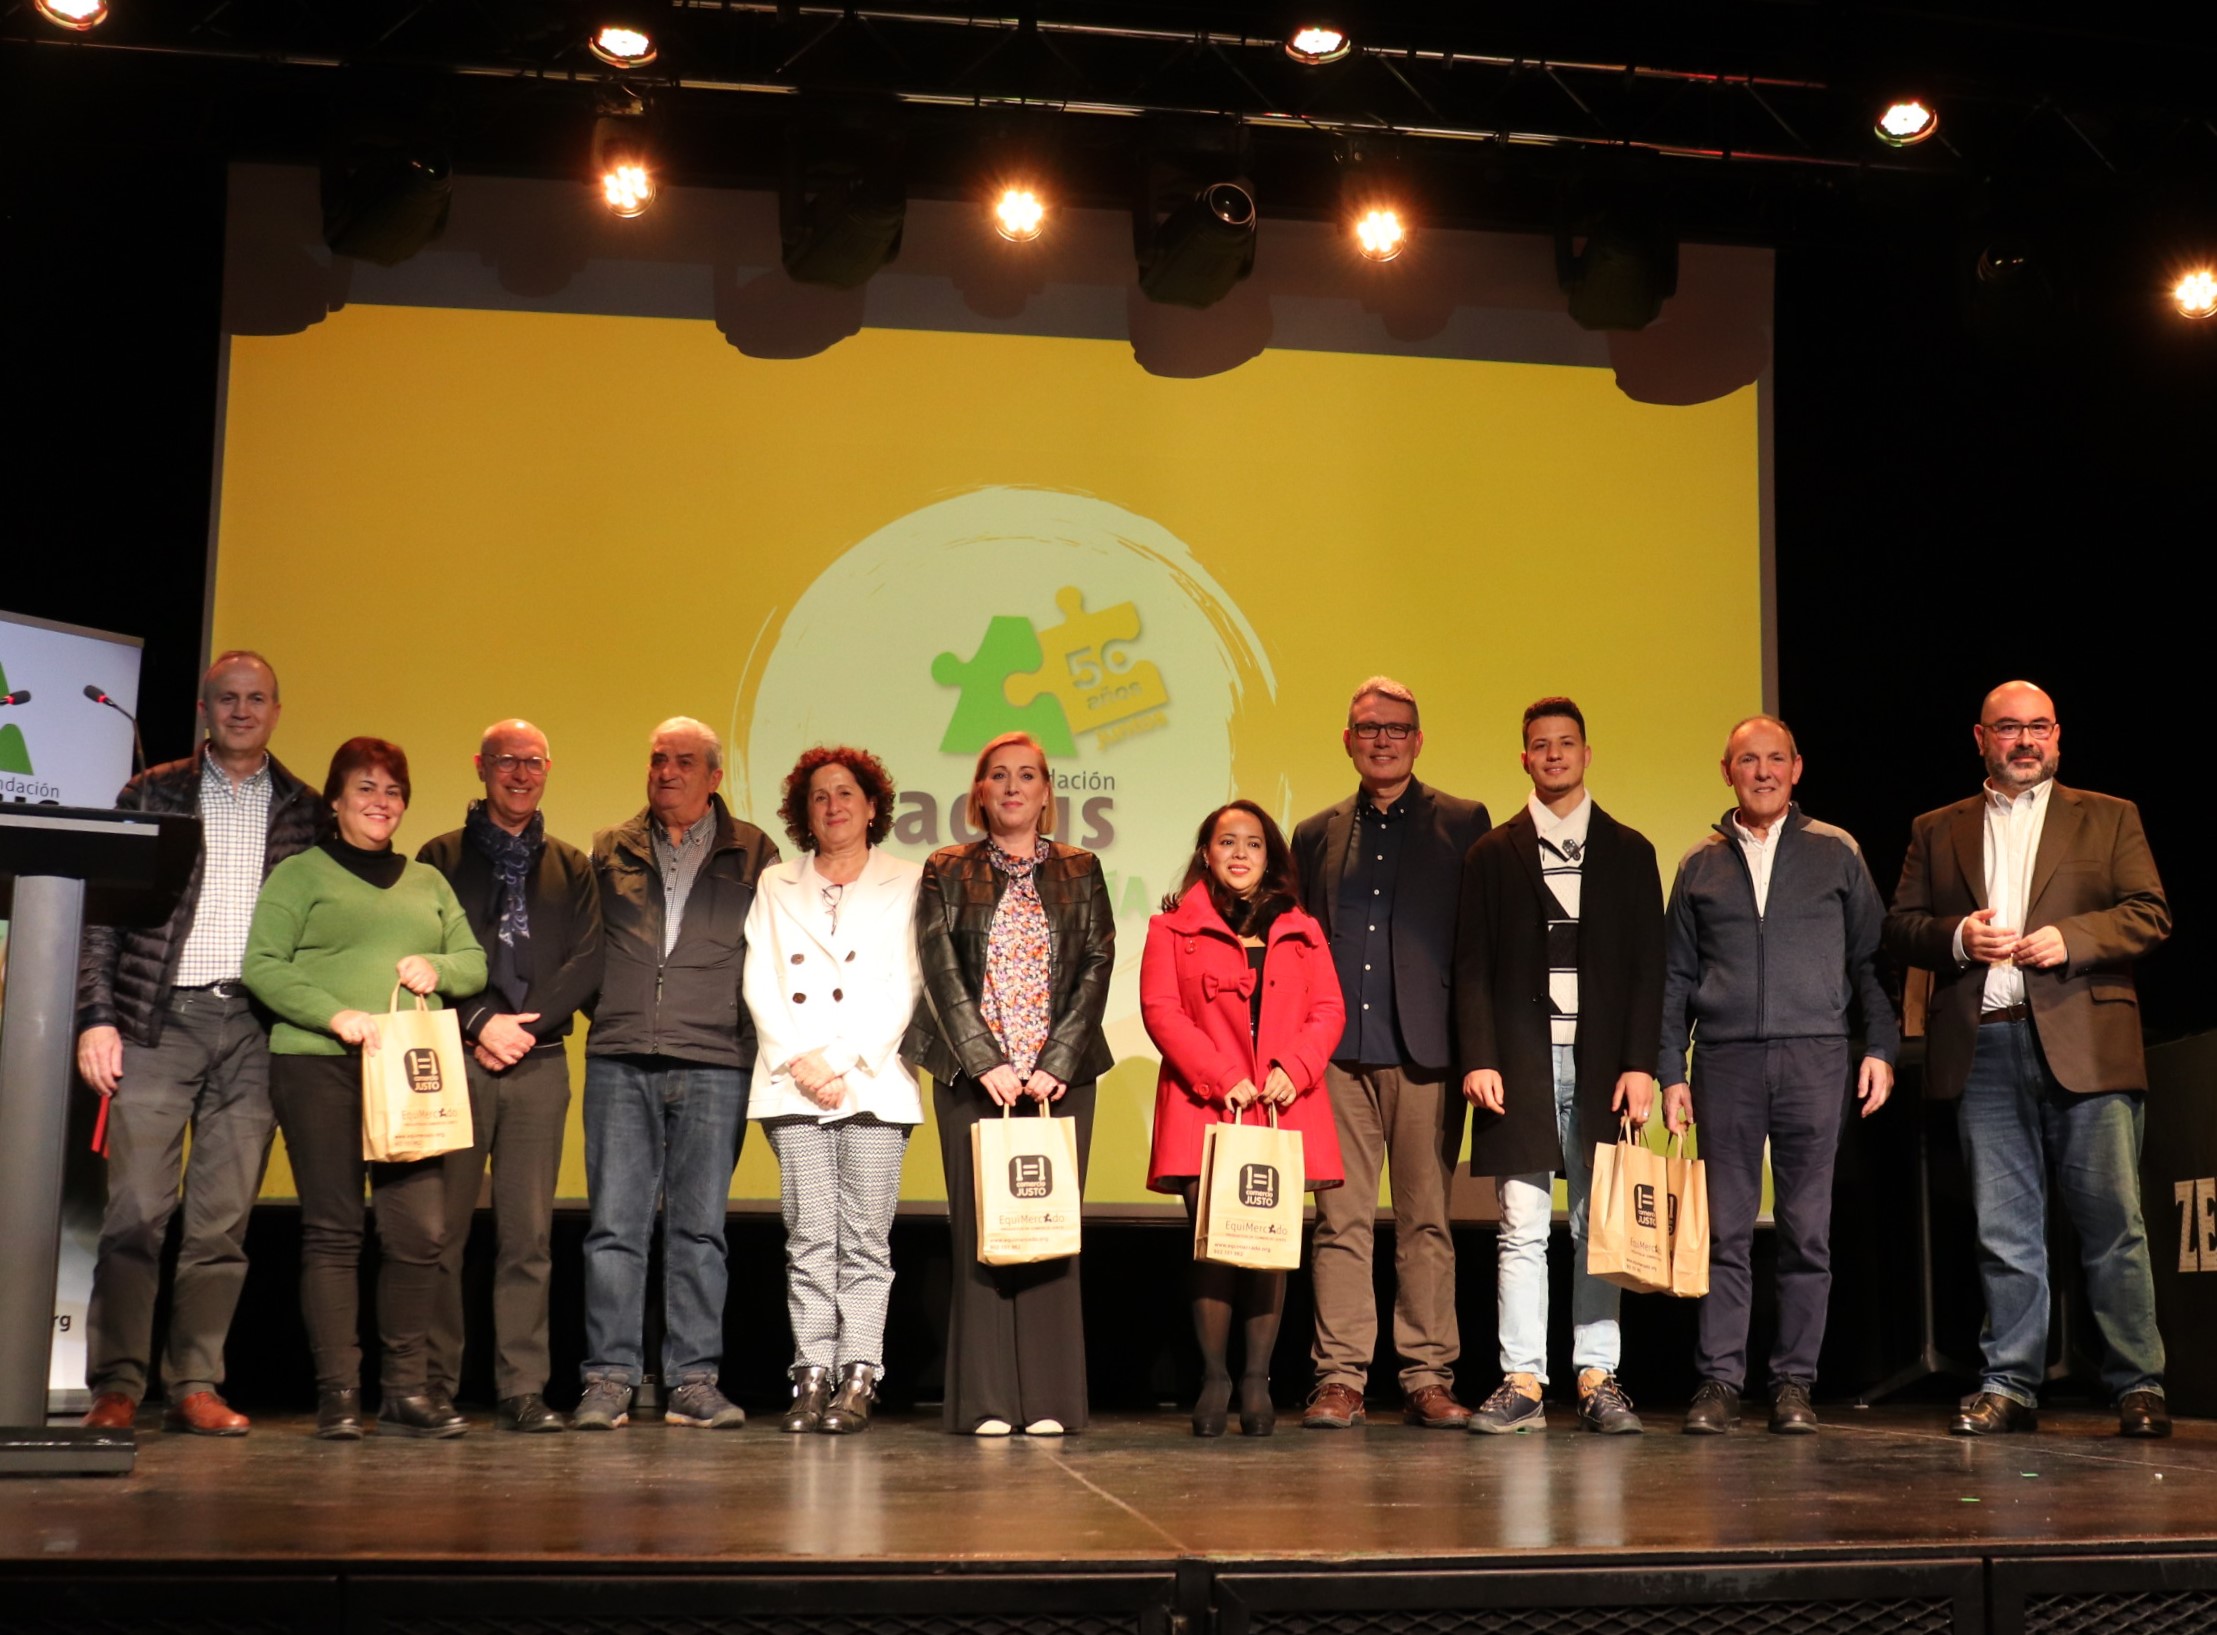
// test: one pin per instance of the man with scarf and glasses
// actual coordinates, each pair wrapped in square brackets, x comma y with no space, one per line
[535,906]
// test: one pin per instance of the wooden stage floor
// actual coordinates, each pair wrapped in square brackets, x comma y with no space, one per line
[1560,1513]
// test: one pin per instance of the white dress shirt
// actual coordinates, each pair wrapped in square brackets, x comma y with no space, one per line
[1759,850]
[2013,825]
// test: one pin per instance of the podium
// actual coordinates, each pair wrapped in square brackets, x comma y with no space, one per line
[59,867]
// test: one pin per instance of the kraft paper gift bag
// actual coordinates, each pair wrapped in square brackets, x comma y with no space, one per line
[1027,1187]
[1249,1209]
[415,1088]
[1688,1179]
[1626,1241]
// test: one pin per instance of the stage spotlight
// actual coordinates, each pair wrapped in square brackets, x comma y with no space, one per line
[622,39]
[2195,295]
[842,201]
[1627,269]
[1316,43]
[623,166]
[1905,123]
[75,15]
[1019,215]
[1380,234]
[1201,249]
[386,194]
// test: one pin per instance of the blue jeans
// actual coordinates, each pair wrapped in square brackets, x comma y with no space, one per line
[667,1131]
[2016,1120]
[1527,1212]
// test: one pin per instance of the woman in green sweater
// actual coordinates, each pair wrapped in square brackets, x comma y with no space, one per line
[333,929]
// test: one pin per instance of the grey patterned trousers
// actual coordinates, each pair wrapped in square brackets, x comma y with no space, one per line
[840,1184]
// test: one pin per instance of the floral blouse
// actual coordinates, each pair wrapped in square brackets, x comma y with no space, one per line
[1018,963]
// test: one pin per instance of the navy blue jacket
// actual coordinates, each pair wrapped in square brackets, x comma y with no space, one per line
[1441,829]
[1797,970]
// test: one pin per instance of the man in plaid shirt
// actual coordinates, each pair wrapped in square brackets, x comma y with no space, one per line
[167,1033]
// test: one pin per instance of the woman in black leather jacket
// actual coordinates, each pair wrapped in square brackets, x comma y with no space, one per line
[1017,939]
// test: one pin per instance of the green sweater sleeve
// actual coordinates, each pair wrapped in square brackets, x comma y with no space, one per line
[460,960]
[271,967]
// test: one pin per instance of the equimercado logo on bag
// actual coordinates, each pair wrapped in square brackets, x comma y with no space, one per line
[1643,1204]
[422,1067]
[1031,1176]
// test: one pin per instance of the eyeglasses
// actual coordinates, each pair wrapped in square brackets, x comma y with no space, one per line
[2038,732]
[1392,731]
[831,895]
[533,764]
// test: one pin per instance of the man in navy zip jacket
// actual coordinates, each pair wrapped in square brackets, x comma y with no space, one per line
[1773,935]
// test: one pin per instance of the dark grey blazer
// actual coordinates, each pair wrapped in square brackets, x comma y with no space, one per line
[1442,828]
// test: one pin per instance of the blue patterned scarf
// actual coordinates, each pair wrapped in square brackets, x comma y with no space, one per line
[513,857]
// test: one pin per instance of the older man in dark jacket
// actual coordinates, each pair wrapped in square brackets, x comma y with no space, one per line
[1772,956]
[667,1067]
[167,1033]
[1558,998]
[534,906]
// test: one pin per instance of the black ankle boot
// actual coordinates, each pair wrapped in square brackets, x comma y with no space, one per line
[339,1415]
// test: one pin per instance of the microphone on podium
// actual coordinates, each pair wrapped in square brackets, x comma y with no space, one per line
[138,747]
[22,695]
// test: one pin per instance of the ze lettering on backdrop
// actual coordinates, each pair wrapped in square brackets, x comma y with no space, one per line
[2197,1203]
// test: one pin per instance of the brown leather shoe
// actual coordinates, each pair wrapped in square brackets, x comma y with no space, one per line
[204,1414]
[2142,1413]
[1989,1413]
[111,1411]
[1333,1407]
[1434,1407]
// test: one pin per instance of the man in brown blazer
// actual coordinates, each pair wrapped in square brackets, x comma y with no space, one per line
[2028,902]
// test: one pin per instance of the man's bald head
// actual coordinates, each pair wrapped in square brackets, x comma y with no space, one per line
[2018,737]
[512,763]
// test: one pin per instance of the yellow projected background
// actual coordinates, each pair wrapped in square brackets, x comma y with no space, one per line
[433,518]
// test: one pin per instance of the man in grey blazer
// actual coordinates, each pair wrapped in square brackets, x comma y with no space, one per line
[2028,903]
[1379,871]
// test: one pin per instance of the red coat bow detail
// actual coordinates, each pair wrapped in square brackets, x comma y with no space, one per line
[1213,983]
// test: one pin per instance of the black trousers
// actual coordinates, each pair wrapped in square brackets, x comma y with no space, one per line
[1794,1093]
[1015,1334]
[518,1118]
[319,1109]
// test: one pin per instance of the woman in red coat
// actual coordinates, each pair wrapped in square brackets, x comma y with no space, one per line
[1239,994]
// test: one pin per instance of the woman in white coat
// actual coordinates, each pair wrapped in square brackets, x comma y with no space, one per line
[831,980]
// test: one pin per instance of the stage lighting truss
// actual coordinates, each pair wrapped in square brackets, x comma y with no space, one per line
[1906,122]
[74,15]
[1019,214]
[2195,295]
[1313,44]
[623,164]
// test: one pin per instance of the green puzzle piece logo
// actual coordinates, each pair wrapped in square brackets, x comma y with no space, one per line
[1075,677]
[15,754]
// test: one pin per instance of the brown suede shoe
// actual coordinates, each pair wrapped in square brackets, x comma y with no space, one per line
[1434,1407]
[1333,1407]
[204,1414]
[111,1411]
